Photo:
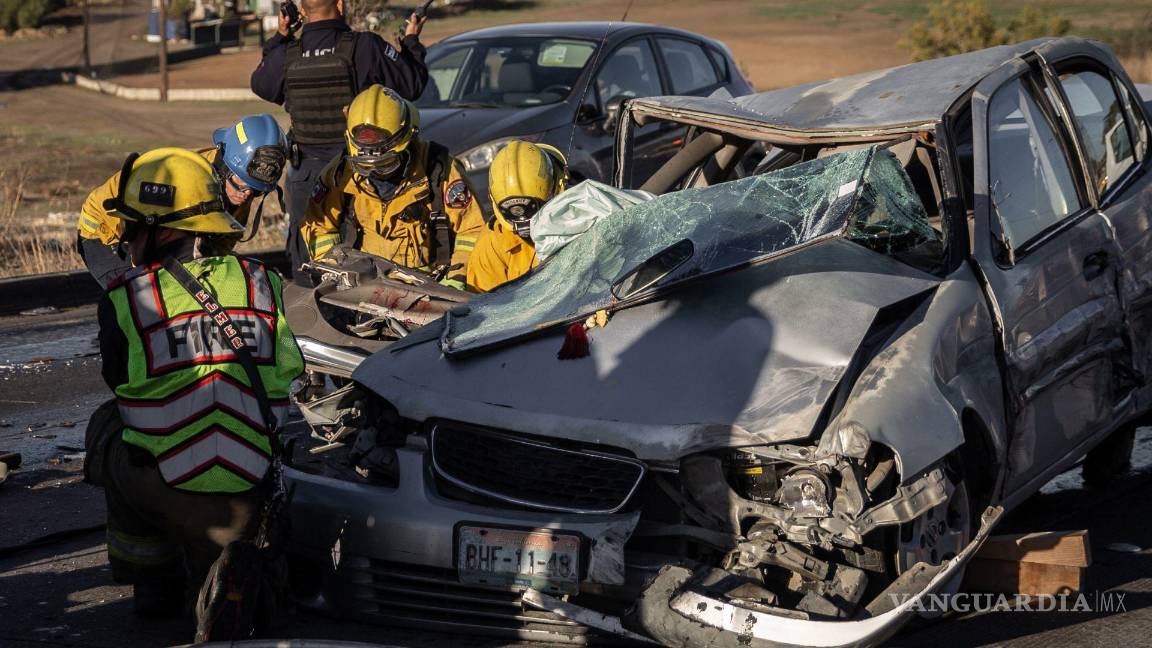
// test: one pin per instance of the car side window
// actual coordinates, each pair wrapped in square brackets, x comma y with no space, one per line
[1029,177]
[629,72]
[721,63]
[1103,127]
[688,66]
[1139,125]
[443,72]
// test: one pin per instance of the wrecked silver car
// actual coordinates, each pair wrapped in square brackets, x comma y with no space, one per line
[795,401]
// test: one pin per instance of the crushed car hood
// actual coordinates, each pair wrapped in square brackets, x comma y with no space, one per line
[746,358]
[739,342]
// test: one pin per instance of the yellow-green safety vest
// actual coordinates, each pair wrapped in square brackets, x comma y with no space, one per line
[188,400]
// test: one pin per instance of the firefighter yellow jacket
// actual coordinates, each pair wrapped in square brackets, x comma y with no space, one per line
[399,230]
[501,256]
[98,223]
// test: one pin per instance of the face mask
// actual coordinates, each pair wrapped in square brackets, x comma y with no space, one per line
[385,189]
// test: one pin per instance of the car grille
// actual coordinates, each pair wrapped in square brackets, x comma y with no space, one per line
[533,474]
[424,597]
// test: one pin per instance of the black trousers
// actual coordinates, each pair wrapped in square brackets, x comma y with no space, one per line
[156,534]
[105,262]
[301,179]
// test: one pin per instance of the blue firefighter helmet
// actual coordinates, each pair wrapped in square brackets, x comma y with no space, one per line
[253,149]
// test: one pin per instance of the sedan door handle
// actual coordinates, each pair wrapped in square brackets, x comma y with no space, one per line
[1095,264]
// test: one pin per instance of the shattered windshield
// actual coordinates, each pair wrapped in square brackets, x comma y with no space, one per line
[863,194]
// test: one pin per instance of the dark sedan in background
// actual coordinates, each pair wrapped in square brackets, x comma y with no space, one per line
[563,84]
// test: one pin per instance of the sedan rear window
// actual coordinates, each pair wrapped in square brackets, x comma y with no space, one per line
[688,66]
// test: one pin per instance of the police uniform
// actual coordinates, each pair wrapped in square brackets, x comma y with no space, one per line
[98,240]
[315,77]
[500,256]
[400,229]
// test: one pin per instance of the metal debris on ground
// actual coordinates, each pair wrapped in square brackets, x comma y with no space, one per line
[40,310]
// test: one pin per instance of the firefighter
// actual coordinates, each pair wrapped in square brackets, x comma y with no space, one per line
[523,177]
[184,448]
[408,198]
[316,76]
[248,156]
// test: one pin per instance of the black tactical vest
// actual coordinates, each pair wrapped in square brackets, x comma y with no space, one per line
[316,90]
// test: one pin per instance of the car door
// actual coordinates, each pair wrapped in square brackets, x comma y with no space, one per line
[1049,262]
[1113,134]
[627,71]
[687,69]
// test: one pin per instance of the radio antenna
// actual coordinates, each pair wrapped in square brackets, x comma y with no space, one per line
[592,69]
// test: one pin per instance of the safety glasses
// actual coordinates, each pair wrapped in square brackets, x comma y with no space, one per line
[244,190]
[375,154]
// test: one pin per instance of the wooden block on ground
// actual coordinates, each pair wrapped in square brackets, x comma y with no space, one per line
[1050,547]
[1013,577]
[1051,562]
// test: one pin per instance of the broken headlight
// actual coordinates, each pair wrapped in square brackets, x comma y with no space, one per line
[805,491]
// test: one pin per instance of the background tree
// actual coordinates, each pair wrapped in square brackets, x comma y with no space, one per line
[958,26]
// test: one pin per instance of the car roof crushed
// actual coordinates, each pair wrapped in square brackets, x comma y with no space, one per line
[909,96]
[727,226]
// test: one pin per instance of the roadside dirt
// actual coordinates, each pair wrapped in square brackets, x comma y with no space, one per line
[773,53]
[775,43]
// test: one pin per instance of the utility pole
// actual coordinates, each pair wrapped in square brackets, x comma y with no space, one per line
[163,50]
[87,49]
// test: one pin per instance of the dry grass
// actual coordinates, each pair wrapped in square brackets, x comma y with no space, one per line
[32,247]
[1139,67]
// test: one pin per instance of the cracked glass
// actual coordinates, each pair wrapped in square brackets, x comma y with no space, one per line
[863,195]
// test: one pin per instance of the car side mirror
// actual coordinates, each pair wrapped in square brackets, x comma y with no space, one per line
[612,111]
[587,114]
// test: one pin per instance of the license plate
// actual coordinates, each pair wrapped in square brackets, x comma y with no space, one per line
[542,560]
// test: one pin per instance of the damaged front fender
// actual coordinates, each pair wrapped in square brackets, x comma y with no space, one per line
[674,611]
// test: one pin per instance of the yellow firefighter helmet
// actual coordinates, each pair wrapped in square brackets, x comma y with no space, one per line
[173,188]
[523,177]
[381,125]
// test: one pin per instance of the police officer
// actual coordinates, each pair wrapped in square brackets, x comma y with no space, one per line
[523,177]
[316,76]
[249,157]
[407,197]
[183,449]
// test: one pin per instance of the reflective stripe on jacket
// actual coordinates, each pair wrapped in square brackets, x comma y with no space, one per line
[187,399]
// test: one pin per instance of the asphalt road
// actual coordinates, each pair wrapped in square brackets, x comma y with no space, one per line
[61,594]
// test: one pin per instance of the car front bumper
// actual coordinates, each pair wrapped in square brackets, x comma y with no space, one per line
[384,554]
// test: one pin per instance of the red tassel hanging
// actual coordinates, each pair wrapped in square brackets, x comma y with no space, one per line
[575,343]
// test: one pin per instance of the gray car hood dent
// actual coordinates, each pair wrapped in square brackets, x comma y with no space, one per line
[742,358]
[463,128]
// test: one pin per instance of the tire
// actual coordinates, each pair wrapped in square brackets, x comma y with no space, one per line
[1110,459]
[940,533]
